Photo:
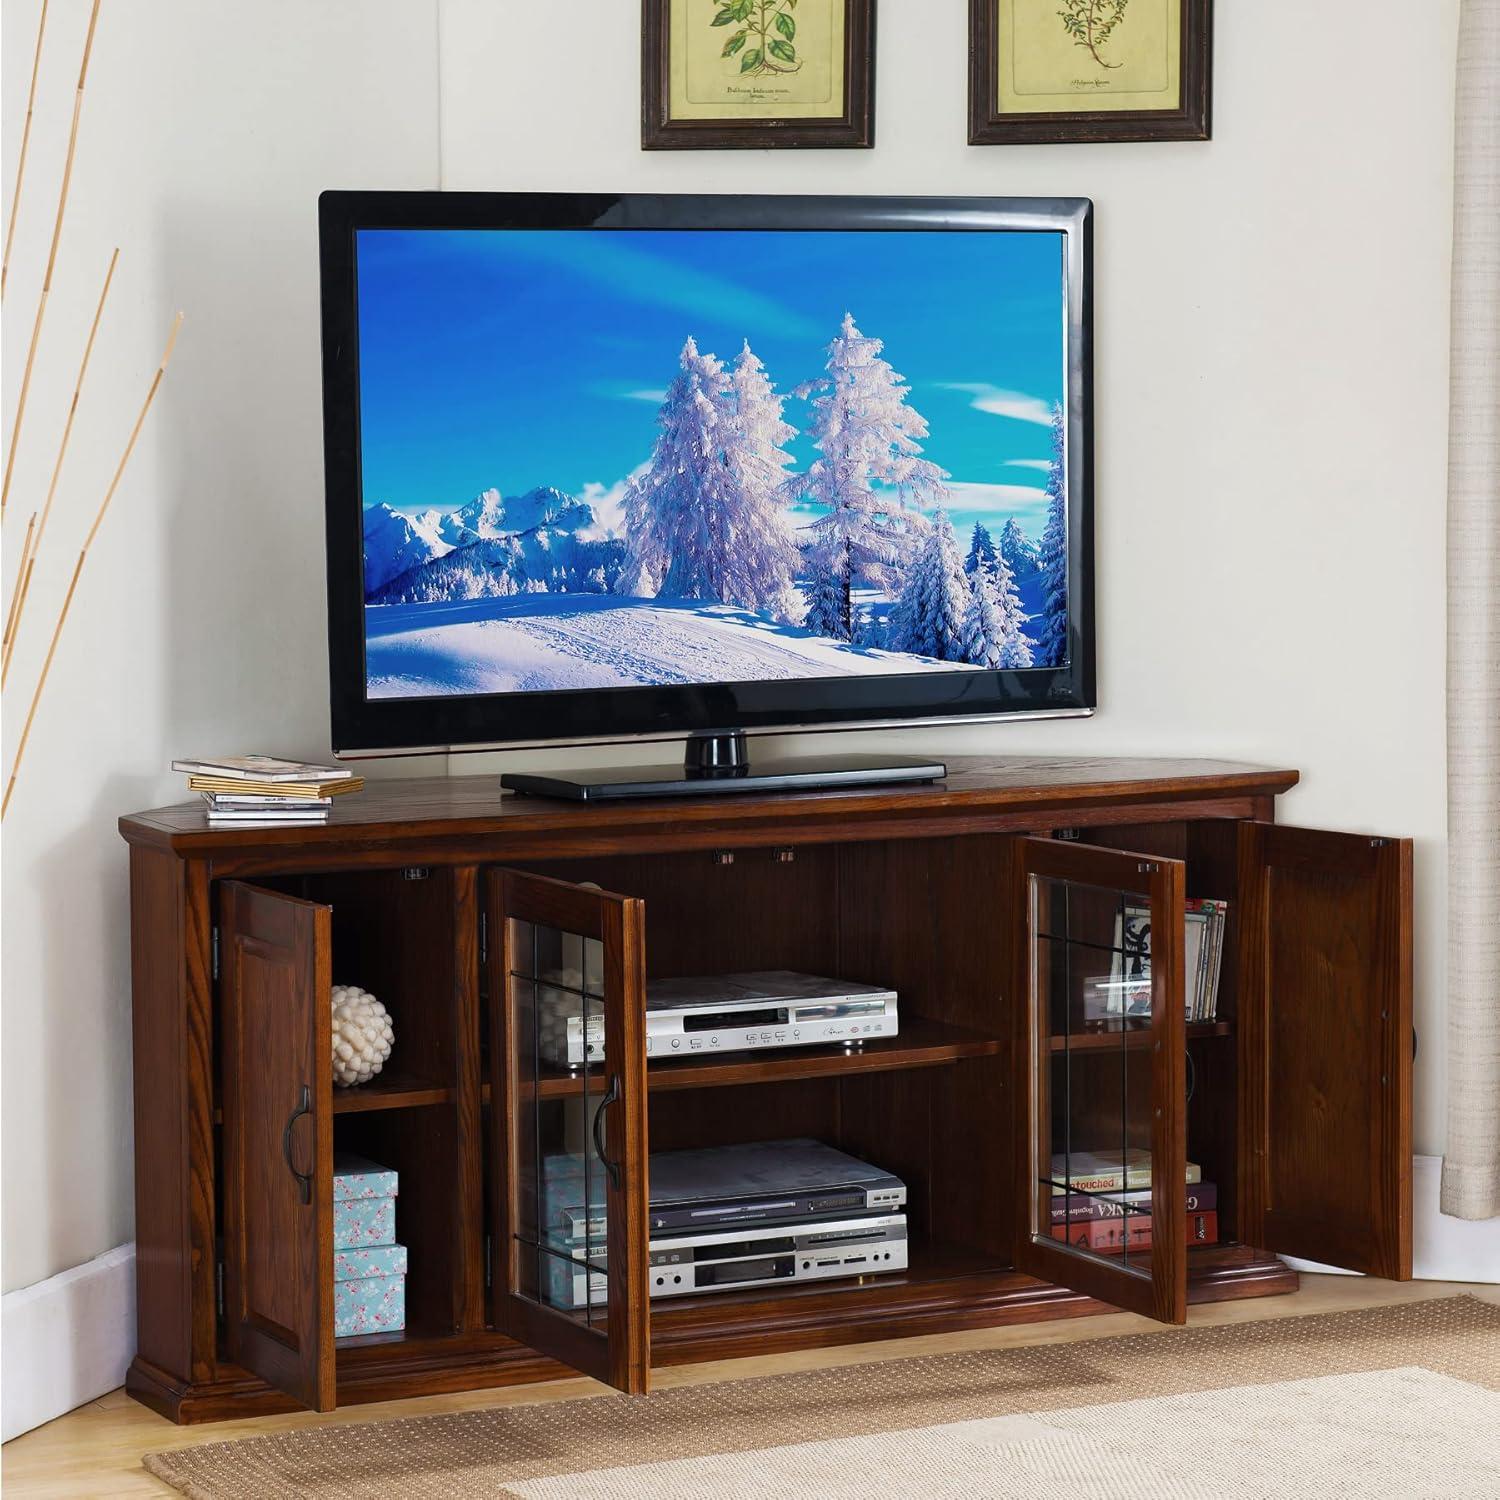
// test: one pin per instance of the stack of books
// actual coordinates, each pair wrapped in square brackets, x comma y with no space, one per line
[1103,1202]
[265,791]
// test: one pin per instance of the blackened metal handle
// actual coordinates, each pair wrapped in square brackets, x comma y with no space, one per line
[304,1179]
[611,1096]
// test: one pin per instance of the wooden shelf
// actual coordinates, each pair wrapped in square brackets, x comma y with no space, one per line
[385,1091]
[1105,1041]
[414,1339]
[932,1266]
[921,1044]
[929,1265]
[390,1091]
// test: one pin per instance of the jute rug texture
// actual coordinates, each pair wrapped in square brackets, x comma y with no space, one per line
[1397,1401]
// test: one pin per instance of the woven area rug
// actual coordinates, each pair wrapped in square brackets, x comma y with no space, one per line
[1391,1401]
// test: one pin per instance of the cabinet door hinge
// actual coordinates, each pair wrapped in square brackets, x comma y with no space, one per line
[484,937]
[219,1285]
[215,958]
[489,1262]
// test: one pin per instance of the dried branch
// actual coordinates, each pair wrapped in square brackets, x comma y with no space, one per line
[109,495]
[28,556]
[41,305]
[15,197]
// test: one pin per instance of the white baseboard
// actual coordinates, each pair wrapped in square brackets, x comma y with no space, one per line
[66,1340]
[1443,1249]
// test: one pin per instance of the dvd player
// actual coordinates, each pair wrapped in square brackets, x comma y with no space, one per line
[760,1182]
[733,1260]
[723,1013]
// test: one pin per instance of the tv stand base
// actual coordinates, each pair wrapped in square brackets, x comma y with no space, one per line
[718,764]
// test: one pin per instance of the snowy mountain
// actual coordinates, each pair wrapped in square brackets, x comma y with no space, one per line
[490,514]
[447,526]
[395,543]
[491,548]
[482,515]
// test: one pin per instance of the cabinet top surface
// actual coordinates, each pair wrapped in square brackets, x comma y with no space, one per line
[462,806]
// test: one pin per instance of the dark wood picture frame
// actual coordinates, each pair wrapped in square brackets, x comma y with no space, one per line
[1190,121]
[854,128]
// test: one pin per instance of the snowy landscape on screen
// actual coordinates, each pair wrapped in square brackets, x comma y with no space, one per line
[761,530]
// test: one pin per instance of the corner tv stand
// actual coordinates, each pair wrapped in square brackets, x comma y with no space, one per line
[987,900]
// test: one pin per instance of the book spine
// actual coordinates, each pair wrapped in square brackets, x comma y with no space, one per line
[1201,1197]
[1134,1233]
[1136,1179]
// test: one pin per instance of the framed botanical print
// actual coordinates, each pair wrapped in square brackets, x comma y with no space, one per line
[1089,70]
[757,73]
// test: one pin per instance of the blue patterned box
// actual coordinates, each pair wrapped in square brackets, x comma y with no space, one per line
[364,1203]
[369,1291]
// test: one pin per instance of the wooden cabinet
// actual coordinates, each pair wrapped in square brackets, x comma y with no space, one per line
[988,902]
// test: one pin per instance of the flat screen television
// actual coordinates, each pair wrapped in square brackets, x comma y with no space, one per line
[621,467]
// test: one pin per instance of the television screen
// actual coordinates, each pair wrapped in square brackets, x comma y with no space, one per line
[654,457]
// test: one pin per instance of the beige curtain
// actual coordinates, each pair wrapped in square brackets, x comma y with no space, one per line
[1471,1168]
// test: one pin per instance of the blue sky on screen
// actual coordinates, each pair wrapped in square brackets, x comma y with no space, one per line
[510,359]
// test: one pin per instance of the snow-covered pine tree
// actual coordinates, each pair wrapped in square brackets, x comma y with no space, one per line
[866,434]
[707,518]
[982,633]
[1052,643]
[1018,550]
[930,613]
[761,560]
[981,550]
[829,611]
[1017,652]
[993,634]
[1015,645]
[676,511]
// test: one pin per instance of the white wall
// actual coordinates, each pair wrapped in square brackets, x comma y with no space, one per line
[1272,333]
[1272,325]
[209,128]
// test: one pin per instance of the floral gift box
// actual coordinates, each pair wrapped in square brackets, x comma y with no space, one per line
[364,1203]
[369,1291]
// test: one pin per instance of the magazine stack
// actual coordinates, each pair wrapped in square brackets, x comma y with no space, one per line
[266,791]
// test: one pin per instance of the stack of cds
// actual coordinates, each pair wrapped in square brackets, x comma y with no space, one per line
[263,790]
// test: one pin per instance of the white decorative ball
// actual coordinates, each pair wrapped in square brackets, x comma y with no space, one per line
[362,1035]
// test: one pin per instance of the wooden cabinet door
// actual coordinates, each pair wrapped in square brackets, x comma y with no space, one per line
[567,968]
[1102,1103]
[1325,994]
[277,1175]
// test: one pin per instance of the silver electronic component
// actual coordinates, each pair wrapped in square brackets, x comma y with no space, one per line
[750,1256]
[723,1013]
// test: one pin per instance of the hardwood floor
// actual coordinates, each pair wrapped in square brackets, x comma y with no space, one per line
[96,1451]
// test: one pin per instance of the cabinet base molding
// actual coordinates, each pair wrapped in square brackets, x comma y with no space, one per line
[397,1368]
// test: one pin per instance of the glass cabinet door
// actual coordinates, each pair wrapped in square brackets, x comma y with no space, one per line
[568,1112]
[1103,1200]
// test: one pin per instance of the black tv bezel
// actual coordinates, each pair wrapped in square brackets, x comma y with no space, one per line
[365,726]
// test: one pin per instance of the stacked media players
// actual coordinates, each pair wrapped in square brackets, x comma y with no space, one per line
[729,1217]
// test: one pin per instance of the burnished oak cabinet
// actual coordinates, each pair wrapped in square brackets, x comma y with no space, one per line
[988,901]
